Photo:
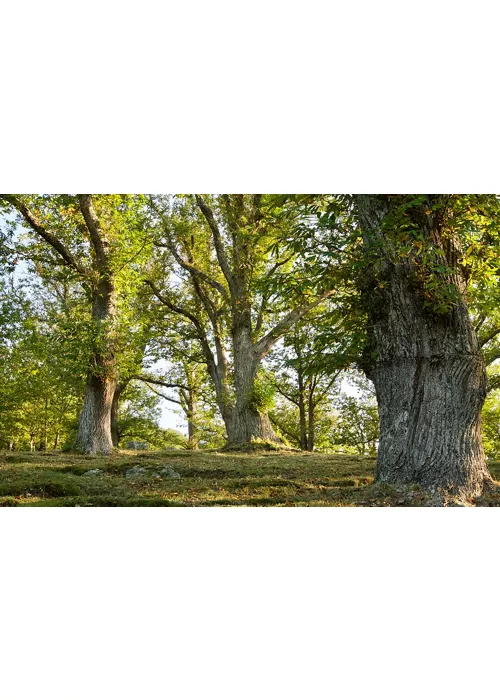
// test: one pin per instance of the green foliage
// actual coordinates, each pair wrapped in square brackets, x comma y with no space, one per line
[263,393]
[284,250]
[490,424]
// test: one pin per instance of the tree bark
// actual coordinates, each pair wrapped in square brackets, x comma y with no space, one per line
[427,368]
[94,428]
[248,423]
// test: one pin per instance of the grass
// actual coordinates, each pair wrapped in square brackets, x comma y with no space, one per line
[204,479]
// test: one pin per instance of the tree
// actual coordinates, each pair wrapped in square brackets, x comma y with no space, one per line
[95,237]
[39,387]
[225,250]
[186,381]
[422,353]
[302,378]
[138,419]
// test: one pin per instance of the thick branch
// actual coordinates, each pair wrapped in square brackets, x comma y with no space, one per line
[486,339]
[219,247]
[266,295]
[202,336]
[34,222]
[94,228]
[188,266]
[262,347]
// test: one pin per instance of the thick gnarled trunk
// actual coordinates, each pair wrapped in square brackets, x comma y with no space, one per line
[250,425]
[248,422]
[430,381]
[94,430]
[428,373]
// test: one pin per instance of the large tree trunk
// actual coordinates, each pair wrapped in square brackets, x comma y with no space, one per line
[249,425]
[248,422]
[94,428]
[426,366]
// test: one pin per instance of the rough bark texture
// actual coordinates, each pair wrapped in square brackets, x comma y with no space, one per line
[94,430]
[427,368]
[247,422]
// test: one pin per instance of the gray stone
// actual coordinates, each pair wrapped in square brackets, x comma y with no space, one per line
[134,472]
[93,472]
[169,473]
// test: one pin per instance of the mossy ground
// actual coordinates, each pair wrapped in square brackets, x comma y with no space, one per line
[206,479]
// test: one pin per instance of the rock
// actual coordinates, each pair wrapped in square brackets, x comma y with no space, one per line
[135,472]
[169,473]
[93,472]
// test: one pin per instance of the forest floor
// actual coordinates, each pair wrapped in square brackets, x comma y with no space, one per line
[205,478]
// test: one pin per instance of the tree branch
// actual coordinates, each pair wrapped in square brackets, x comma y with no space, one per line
[287,396]
[219,247]
[262,347]
[188,266]
[35,223]
[488,337]
[202,336]
[94,227]
[167,398]
[152,380]
[173,307]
